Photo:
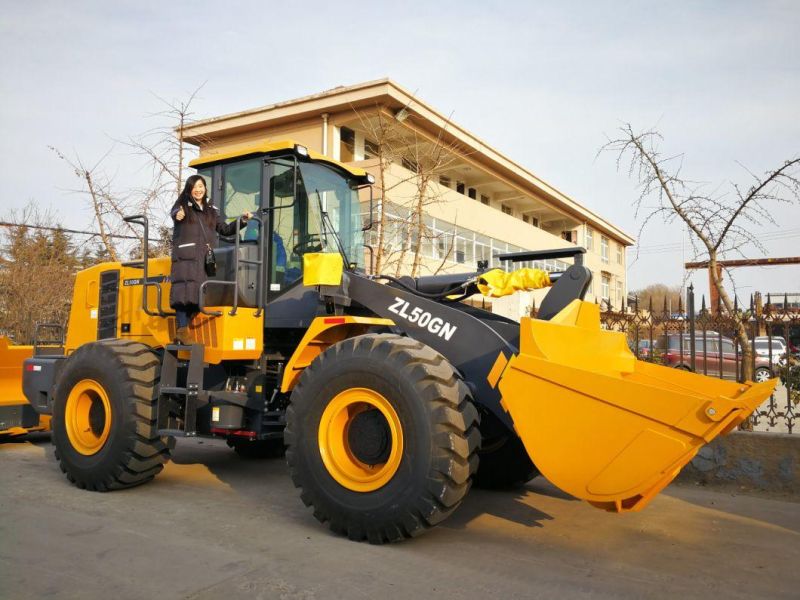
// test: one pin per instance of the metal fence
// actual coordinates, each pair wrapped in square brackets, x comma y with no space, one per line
[704,341]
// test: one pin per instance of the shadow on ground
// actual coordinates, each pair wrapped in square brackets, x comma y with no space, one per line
[268,480]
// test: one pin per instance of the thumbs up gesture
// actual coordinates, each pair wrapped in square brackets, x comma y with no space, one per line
[180,214]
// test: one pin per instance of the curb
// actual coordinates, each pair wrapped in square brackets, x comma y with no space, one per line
[748,460]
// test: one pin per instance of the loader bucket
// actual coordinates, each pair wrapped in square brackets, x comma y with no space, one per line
[12,400]
[604,426]
[11,359]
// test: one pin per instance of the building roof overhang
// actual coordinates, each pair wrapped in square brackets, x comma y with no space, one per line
[387,93]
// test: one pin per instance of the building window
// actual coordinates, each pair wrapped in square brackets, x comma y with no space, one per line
[619,254]
[619,292]
[604,248]
[506,209]
[445,181]
[371,149]
[347,144]
[526,218]
[589,240]
[472,193]
[483,249]
[464,249]
[410,165]
[444,246]
[460,187]
[605,284]
[566,235]
[485,199]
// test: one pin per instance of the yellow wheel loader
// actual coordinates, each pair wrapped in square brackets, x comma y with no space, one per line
[390,395]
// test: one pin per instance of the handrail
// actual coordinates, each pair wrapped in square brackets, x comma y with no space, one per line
[37,343]
[142,220]
[575,251]
[235,283]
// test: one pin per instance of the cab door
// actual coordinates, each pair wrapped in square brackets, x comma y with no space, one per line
[285,208]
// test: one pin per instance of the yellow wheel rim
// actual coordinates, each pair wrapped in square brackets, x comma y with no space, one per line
[335,448]
[88,417]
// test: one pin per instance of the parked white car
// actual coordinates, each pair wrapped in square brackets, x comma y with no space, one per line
[775,344]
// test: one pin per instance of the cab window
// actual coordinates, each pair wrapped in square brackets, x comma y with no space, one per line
[242,193]
[297,228]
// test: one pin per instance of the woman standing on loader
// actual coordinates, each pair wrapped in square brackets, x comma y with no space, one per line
[196,225]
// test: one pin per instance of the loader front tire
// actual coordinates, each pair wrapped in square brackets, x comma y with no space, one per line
[382,438]
[104,416]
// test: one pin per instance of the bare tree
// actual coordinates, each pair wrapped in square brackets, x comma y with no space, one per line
[424,157]
[718,222]
[166,154]
[108,209]
[385,133]
[429,159]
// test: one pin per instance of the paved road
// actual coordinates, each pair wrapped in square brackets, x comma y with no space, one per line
[216,526]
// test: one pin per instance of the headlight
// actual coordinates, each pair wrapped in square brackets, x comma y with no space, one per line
[301,150]
[370,178]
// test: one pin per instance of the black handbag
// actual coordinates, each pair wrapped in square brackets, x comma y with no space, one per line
[210,259]
[210,262]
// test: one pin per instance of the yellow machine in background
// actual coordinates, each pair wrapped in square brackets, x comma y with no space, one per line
[17,416]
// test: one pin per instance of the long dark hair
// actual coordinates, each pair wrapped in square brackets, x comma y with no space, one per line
[186,200]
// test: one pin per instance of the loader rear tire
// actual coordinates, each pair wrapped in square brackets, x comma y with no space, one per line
[382,438]
[504,462]
[104,416]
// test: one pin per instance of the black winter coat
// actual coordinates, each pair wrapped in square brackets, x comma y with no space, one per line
[189,249]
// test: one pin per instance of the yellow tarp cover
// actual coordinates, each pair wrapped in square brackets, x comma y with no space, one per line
[497,283]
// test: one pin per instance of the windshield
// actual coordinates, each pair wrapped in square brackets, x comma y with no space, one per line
[324,186]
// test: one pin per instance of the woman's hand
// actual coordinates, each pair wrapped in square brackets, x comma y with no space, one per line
[180,214]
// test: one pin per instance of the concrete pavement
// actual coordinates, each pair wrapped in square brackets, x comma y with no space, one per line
[215,526]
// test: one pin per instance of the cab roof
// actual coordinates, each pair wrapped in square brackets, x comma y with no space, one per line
[269,148]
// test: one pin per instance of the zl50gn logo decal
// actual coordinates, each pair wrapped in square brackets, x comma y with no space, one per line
[423,319]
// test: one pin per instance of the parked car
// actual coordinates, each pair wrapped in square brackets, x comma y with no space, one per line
[709,357]
[775,347]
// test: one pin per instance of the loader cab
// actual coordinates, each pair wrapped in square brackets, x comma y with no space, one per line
[304,203]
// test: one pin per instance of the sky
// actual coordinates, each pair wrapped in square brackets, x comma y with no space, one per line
[544,83]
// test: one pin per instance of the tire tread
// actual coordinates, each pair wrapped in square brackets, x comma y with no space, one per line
[144,453]
[454,429]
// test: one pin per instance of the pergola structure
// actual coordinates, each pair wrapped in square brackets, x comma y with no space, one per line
[744,262]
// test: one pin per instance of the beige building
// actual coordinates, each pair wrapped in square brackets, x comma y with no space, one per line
[478,203]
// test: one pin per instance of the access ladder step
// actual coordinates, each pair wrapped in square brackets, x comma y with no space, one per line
[175,391]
